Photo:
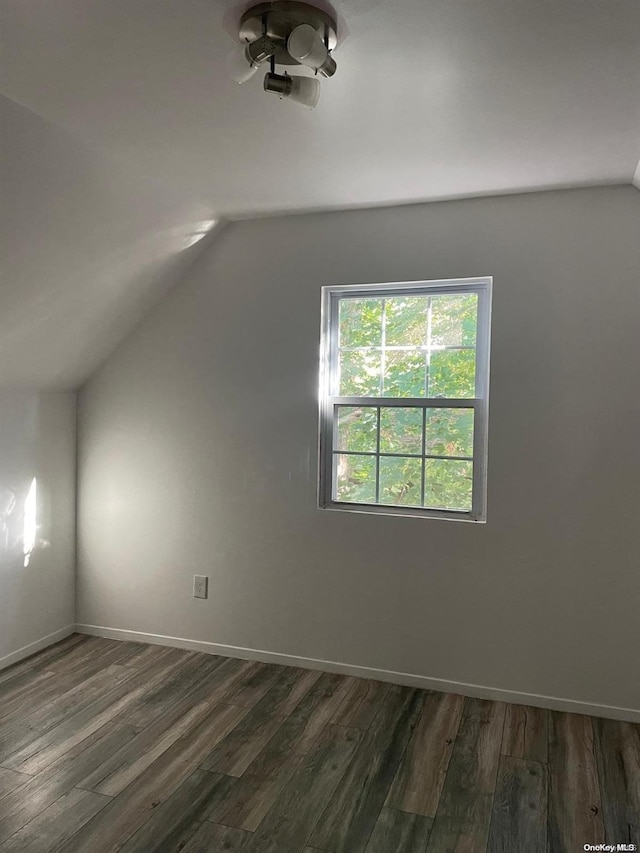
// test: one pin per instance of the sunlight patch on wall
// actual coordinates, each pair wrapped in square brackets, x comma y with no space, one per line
[19,523]
[7,506]
[194,233]
[30,522]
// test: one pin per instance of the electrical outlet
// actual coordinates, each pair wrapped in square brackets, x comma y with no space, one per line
[200,586]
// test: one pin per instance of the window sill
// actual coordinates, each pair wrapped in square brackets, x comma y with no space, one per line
[405,512]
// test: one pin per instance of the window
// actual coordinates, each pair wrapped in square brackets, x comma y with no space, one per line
[404,398]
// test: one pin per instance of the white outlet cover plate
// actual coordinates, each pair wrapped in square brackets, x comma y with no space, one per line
[200,586]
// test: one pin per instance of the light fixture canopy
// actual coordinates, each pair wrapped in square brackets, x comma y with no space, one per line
[289,33]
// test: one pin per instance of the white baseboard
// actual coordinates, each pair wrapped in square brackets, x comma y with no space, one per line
[424,682]
[37,646]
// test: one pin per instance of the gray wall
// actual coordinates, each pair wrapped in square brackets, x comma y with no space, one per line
[198,454]
[37,439]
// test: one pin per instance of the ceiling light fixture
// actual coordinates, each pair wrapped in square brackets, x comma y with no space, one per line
[244,60]
[286,32]
[302,90]
[305,45]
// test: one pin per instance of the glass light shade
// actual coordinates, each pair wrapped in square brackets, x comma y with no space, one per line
[305,91]
[301,90]
[239,64]
[307,47]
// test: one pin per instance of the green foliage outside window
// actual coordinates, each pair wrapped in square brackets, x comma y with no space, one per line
[403,347]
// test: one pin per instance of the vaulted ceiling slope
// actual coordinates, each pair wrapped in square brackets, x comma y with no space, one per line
[124,139]
[86,248]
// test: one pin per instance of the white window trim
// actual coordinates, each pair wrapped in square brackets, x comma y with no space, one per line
[483,286]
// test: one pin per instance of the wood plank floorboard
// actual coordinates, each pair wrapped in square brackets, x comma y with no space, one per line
[90,657]
[38,660]
[348,821]
[250,799]
[618,759]
[361,704]
[290,821]
[146,655]
[44,750]
[237,751]
[303,726]
[59,677]
[19,685]
[135,805]
[172,826]
[213,838]
[153,704]
[420,778]
[242,746]
[400,832]
[125,765]
[575,806]
[259,678]
[39,694]
[519,820]
[122,767]
[464,811]
[28,800]
[53,826]
[22,730]
[109,746]
[10,780]
[526,733]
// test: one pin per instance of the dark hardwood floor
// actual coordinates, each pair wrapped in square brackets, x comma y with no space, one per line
[107,745]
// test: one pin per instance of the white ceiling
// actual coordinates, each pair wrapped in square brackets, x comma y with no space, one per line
[125,134]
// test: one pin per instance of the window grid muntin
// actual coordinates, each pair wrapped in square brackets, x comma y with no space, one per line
[428,349]
[383,358]
[377,454]
[332,294]
[408,348]
[424,450]
[428,366]
[336,451]
[402,455]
